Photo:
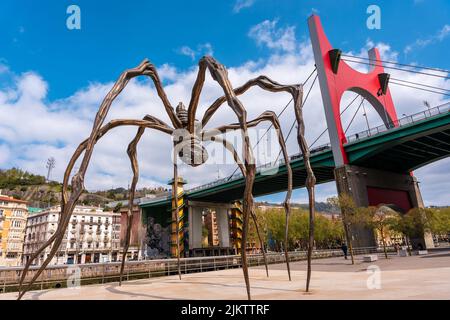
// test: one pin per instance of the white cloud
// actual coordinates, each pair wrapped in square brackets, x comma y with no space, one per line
[241,4]
[187,51]
[439,36]
[266,33]
[202,49]
[33,129]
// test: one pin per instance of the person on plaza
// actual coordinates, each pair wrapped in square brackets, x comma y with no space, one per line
[344,249]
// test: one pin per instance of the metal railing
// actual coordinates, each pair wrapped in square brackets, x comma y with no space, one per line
[407,120]
[57,276]
[239,175]
[420,116]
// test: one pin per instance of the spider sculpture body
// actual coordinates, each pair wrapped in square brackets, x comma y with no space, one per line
[188,135]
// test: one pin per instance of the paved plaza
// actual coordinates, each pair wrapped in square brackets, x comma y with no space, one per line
[416,277]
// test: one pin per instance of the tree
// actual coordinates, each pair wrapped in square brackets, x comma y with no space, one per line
[272,222]
[382,218]
[440,221]
[352,215]
[415,223]
[118,207]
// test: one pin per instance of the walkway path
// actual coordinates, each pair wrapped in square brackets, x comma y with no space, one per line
[417,277]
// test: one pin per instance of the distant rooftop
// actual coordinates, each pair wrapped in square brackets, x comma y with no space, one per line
[10,199]
[33,210]
[137,201]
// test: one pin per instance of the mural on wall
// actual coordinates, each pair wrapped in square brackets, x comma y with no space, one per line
[158,239]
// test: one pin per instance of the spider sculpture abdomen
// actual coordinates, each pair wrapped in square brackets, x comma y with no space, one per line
[188,144]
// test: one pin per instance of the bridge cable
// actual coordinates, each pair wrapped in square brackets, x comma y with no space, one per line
[365,115]
[354,115]
[423,89]
[399,64]
[279,115]
[420,84]
[295,120]
[400,69]
[282,111]
[326,129]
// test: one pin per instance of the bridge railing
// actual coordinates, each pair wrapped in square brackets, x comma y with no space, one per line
[407,120]
[441,109]
[58,276]
[265,166]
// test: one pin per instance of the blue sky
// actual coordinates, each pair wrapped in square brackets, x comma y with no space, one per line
[62,74]
[117,34]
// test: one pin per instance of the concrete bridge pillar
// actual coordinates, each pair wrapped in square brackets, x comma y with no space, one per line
[220,211]
[370,187]
[195,227]
[224,227]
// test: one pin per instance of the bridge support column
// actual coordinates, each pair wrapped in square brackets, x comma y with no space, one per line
[224,228]
[195,227]
[177,224]
[370,187]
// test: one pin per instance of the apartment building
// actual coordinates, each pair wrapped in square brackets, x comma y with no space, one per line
[13,219]
[92,236]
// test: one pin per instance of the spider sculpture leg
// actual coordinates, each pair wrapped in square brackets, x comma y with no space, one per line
[273,119]
[261,241]
[296,91]
[67,206]
[132,154]
[310,182]
[219,74]
[68,203]
[158,125]
[238,161]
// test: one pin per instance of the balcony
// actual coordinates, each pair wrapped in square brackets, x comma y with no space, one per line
[91,223]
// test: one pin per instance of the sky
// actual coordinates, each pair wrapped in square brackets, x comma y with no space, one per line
[53,79]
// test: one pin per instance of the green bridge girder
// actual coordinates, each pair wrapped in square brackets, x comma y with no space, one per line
[400,150]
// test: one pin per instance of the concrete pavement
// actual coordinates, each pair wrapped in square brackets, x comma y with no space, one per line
[417,277]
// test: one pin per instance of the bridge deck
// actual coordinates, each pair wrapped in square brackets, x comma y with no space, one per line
[416,140]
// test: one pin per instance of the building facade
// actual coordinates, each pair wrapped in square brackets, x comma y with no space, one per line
[92,236]
[13,219]
[136,250]
[210,222]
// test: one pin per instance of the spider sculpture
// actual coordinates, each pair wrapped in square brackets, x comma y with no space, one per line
[188,134]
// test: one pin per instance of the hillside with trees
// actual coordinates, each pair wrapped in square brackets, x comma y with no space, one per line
[40,193]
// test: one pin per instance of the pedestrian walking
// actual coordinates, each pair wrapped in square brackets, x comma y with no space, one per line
[344,249]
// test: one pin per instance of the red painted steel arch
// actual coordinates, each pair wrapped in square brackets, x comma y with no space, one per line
[348,79]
